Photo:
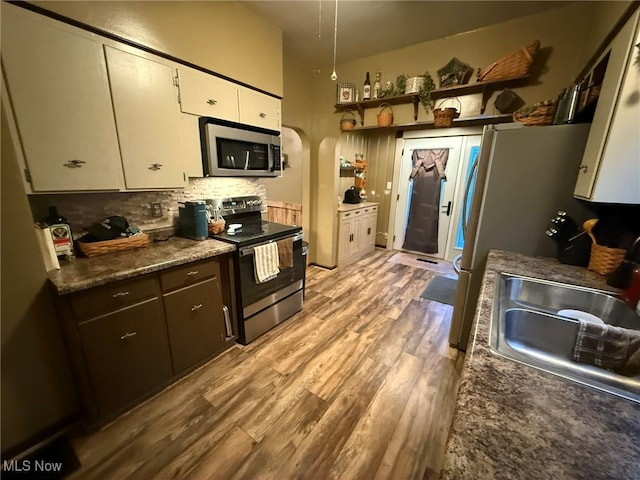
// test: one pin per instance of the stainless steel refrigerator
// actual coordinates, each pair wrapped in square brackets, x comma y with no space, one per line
[522,177]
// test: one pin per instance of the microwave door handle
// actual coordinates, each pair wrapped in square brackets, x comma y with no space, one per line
[246,160]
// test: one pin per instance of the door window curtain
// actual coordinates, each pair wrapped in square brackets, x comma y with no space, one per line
[424,209]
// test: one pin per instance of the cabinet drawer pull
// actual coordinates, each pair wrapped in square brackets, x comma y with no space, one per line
[191,274]
[211,101]
[196,307]
[155,166]
[262,115]
[127,335]
[347,214]
[120,294]
[74,163]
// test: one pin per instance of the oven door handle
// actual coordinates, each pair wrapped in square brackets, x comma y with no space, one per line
[244,251]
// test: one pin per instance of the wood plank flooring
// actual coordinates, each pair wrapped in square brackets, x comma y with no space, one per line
[359,385]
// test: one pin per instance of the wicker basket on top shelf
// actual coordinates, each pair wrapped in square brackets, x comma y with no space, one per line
[541,113]
[513,65]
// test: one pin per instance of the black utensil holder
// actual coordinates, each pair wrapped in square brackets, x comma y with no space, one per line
[576,250]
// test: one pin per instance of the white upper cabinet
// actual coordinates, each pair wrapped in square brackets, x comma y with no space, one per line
[258,109]
[610,169]
[57,82]
[145,101]
[206,95]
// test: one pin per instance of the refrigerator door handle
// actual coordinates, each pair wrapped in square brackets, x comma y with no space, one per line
[467,190]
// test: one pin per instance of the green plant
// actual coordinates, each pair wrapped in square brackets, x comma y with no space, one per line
[401,83]
[425,92]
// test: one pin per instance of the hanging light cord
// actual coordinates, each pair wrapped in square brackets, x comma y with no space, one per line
[334,75]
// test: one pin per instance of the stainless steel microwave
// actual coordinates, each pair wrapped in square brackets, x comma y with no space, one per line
[232,149]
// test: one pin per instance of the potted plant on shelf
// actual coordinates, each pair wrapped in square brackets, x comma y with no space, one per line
[421,84]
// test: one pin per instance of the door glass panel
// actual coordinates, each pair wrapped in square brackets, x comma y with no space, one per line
[472,158]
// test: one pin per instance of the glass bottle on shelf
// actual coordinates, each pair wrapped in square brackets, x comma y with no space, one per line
[377,87]
[366,90]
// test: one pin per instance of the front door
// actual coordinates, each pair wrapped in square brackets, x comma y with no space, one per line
[418,230]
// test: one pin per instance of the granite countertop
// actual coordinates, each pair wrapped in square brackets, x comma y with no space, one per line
[346,207]
[512,421]
[84,273]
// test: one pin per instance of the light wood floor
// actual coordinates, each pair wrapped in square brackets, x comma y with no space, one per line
[359,385]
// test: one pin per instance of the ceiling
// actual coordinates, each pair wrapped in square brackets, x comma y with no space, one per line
[371,27]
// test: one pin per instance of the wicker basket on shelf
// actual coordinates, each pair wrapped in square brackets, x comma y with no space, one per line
[347,123]
[514,65]
[540,114]
[385,118]
[93,249]
[604,260]
[443,117]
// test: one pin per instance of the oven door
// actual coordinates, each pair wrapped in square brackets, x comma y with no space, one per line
[258,296]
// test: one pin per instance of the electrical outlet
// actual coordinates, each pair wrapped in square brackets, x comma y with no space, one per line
[156,209]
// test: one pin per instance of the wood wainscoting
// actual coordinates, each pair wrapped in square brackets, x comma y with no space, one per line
[283,212]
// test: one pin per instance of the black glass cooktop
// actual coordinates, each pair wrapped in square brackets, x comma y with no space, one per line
[253,233]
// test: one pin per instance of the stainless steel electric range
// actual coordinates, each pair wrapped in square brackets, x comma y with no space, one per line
[261,306]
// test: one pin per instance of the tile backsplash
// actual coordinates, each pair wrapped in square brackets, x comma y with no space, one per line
[84,209]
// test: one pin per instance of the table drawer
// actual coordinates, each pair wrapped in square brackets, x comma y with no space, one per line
[189,274]
[113,296]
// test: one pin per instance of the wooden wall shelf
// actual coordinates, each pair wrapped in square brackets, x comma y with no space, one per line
[458,122]
[486,88]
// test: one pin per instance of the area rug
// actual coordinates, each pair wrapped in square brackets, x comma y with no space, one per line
[437,265]
[441,289]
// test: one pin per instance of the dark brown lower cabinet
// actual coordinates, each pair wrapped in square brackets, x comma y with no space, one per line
[127,354]
[195,321]
[129,339]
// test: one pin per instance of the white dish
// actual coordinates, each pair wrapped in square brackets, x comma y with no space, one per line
[580,315]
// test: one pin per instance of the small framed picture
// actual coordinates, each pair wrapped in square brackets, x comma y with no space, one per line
[346,93]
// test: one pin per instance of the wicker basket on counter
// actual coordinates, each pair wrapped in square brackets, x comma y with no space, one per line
[604,260]
[216,227]
[93,249]
[514,65]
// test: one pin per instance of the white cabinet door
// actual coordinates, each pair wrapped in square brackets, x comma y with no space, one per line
[258,109]
[367,232]
[58,86]
[206,95]
[190,150]
[610,169]
[145,102]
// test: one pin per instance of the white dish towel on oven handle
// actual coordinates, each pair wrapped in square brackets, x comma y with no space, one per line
[265,262]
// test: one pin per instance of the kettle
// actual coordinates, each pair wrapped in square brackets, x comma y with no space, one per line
[352,196]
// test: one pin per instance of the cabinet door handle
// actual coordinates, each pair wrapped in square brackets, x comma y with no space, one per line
[211,101]
[196,307]
[369,231]
[262,115]
[75,163]
[191,274]
[127,335]
[228,331]
[120,294]
[155,166]
[583,168]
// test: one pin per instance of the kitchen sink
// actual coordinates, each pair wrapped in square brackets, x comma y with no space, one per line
[526,327]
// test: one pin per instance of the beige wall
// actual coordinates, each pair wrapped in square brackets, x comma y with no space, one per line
[224,37]
[37,388]
[568,36]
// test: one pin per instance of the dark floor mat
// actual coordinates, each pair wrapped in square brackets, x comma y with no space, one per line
[441,289]
[56,460]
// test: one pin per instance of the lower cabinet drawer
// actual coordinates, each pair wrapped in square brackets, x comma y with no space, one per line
[195,321]
[127,354]
[189,274]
